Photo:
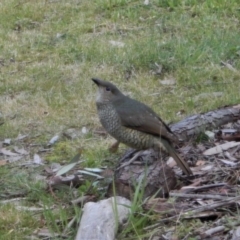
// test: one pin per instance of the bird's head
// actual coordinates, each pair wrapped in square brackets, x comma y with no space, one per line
[106,91]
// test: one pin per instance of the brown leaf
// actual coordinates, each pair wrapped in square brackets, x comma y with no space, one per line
[160,205]
[168,82]
[4,151]
[220,148]
[3,162]
[200,163]
[20,150]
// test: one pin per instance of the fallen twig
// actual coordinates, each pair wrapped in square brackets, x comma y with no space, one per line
[188,213]
[202,196]
[195,189]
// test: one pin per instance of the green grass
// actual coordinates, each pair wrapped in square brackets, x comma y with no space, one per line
[49,50]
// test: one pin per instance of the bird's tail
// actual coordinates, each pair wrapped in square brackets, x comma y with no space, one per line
[172,152]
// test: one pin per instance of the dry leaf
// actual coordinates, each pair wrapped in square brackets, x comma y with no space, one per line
[168,82]
[229,66]
[66,169]
[6,152]
[228,162]
[84,130]
[37,159]
[14,158]
[44,232]
[146,2]
[208,95]
[73,133]
[21,151]
[210,134]
[90,174]
[117,44]
[220,148]
[53,140]
[207,167]
[200,163]
[3,162]
[181,112]
[229,156]
[20,137]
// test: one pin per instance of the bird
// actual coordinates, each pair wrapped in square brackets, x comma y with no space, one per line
[133,123]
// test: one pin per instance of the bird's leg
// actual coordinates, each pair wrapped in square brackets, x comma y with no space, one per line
[160,150]
[160,155]
[131,160]
[114,147]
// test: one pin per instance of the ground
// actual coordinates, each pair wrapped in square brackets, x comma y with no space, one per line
[179,57]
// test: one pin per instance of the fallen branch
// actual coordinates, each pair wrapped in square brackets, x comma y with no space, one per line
[195,124]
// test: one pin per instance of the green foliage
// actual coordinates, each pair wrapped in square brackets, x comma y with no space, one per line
[15,224]
[62,152]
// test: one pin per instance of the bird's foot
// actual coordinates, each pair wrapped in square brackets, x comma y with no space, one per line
[131,160]
[114,147]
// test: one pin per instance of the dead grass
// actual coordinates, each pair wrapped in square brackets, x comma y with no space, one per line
[51,49]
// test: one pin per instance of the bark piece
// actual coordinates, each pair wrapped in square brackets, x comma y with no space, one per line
[195,124]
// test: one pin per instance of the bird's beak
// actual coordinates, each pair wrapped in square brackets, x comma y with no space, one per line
[95,80]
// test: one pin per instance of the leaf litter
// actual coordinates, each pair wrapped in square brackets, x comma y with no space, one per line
[210,195]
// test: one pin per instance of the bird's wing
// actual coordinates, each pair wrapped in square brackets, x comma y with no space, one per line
[136,115]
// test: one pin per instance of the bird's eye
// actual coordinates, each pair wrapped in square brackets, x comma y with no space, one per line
[108,89]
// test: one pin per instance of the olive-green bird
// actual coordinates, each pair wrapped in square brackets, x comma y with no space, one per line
[133,123]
